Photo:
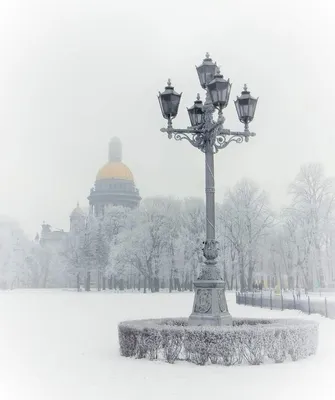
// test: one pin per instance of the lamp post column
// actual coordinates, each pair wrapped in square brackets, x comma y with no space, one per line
[210,305]
[210,194]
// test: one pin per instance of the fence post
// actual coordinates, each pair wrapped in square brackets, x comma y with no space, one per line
[294,302]
[252,299]
[271,300]
[261,299]
[309,305]
[326,308]
[245,298]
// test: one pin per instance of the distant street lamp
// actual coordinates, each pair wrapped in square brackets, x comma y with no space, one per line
[210,306]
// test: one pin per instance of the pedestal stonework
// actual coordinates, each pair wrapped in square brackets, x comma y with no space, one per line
[210,305]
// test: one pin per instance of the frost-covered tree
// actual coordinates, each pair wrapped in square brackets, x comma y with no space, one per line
[312,209]
[247,218]
[14,250]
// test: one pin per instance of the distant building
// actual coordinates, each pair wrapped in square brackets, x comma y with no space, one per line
[114,186]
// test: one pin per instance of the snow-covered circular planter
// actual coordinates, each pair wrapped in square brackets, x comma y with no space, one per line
[248,341]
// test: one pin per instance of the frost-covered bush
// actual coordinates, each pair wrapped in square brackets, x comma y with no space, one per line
[128,340]
[249,341]
[172,342]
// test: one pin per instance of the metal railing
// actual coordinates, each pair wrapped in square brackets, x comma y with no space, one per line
[271,300]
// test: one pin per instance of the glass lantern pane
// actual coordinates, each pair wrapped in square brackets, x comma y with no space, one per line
[175,99]
[199,115]
[161,105]
[215,96]
[253,103]
[223,94]
[191,115]
[237,109]
[166,104]
[245,110]
[251,110]
[206,73]
[201,74]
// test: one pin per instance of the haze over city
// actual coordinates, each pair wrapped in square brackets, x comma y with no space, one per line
[76,73]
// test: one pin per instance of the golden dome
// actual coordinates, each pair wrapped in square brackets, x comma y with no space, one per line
[115,170]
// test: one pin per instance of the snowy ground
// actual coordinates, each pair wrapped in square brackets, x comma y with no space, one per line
[63,345]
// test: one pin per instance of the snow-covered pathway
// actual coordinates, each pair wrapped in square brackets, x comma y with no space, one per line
[63,345]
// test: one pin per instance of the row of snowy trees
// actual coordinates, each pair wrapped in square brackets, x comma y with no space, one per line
[159,245]
[23,263]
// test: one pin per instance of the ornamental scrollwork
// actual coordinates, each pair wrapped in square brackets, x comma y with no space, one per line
[203,301]
[212,138]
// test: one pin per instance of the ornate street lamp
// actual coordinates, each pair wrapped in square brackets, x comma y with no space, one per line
[210,306]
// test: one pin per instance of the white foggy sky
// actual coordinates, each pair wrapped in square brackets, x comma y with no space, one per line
[74,73]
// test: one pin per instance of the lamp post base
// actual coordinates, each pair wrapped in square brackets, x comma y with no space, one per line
[210,304]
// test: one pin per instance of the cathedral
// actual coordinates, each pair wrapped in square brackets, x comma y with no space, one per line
[114,186]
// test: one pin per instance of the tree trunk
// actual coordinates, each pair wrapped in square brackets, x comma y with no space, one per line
[226,280]
[250,269]
[321,275]
[242,273]
[151,283]
[170,284]
[99,280]
[177,284]
[78,282]
[88,282]
[156,284]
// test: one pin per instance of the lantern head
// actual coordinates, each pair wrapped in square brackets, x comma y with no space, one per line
[219,90]
[169,101]
[245,106]
[196,112]
[206,71]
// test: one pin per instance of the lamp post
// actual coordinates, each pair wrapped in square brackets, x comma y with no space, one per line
[209,136]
